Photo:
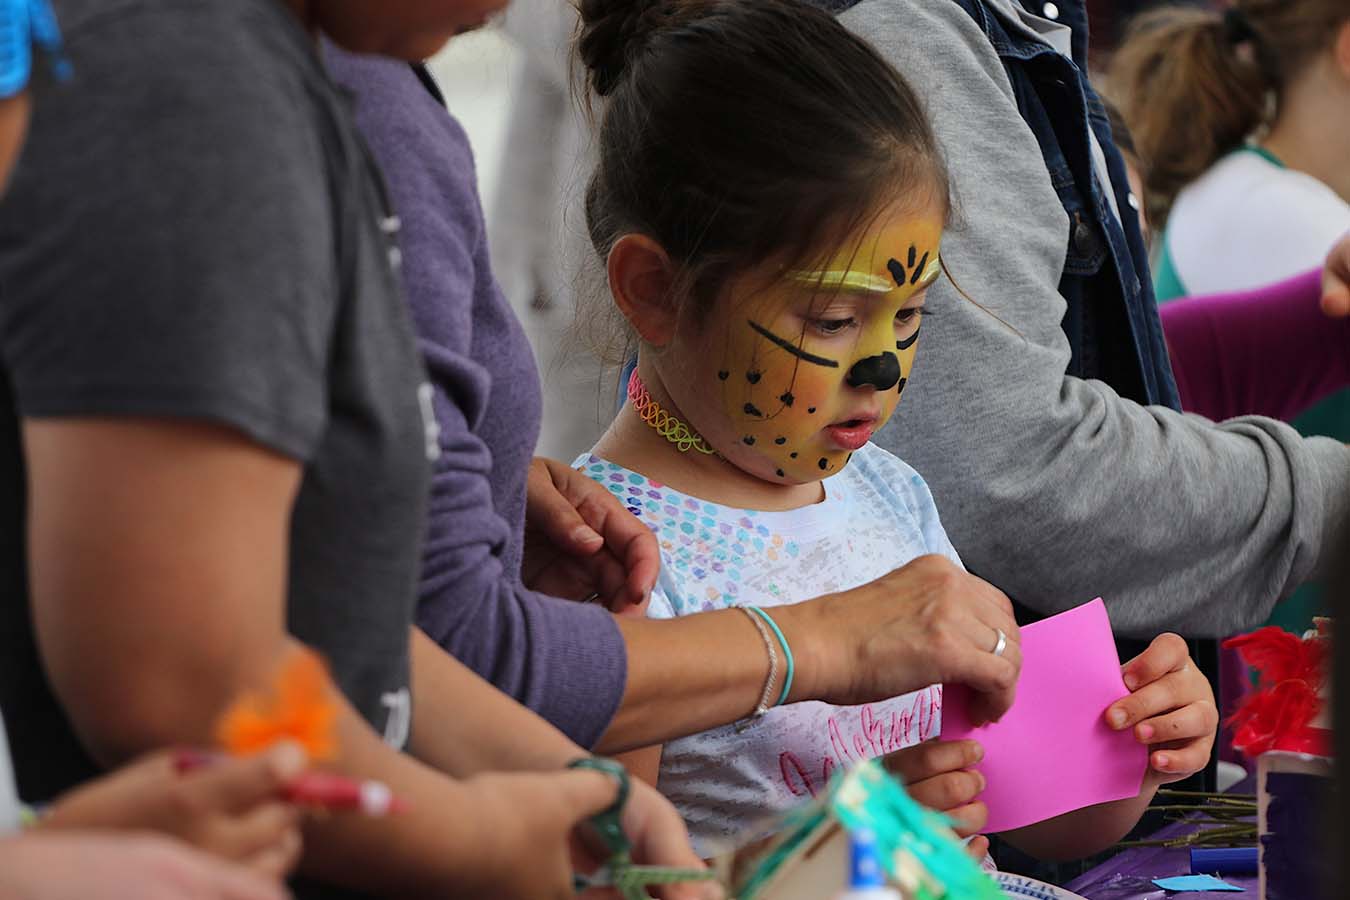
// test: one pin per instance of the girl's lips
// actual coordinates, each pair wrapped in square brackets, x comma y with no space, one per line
[851,435]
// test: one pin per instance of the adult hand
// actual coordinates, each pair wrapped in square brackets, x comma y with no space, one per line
[1336,280]
[1171,709]
[231,808]
[581,541]
[660,838]
[76,865]
[938,774]
[532,835]
[925,623]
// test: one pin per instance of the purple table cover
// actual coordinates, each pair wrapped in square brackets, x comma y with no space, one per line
[1130,875]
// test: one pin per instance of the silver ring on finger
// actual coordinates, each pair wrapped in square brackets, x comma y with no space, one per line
[1001,644]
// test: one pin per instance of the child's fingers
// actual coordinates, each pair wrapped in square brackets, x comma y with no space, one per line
[968,819]
[978,847]
[1170,692]
[1182,759]
[1194,720]
[950,790]
[236,785]
[280,859]
[1167,653]
[914,764]
[257,830]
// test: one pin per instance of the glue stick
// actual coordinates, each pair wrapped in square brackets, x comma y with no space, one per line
[867,879]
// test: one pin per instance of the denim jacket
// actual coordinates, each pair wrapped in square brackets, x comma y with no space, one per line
[1112,319]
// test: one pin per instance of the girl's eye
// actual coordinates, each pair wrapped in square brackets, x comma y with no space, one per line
[908,315]
[832,326]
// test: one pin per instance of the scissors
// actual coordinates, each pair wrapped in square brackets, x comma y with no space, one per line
[619,871]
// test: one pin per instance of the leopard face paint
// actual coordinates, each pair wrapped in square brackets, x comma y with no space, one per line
[813,366]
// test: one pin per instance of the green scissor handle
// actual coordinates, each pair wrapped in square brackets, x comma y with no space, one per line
[608,823]
[619,871]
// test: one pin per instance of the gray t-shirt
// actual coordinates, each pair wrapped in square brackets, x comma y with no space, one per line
[196,232]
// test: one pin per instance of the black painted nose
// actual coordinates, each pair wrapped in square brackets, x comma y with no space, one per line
[881,372]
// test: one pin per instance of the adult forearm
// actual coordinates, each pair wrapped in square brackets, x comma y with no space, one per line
[561,659]
[927,622]
[435,847]
[462,725]
[687,675]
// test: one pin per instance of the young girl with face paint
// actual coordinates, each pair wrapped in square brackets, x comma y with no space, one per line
[769,203]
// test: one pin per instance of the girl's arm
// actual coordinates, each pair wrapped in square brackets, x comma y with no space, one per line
[1170,709]
[644,763]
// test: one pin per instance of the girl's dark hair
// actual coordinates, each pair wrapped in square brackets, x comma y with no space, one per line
[739,131]
[1194,83]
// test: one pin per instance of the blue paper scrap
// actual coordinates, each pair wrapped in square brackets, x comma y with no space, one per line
[1188,883]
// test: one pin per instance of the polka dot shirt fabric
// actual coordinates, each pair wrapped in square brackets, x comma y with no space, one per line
[877,515]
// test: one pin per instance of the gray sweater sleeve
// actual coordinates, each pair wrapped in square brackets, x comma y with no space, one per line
[1054,488]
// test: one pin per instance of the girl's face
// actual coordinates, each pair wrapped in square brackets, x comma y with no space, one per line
[786,382]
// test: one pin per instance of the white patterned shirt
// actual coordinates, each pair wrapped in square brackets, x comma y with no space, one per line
[877,515]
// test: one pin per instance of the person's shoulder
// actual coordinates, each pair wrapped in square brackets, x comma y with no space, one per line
[423,149]
[251,32]
[1247,221]
[920,35]
[390,90]
[1245,184]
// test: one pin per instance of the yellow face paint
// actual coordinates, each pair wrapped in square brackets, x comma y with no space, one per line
[810,368]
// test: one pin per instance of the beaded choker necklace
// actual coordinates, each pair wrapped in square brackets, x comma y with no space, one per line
[672,429]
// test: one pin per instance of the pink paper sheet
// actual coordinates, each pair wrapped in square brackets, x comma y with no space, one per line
[1053,752]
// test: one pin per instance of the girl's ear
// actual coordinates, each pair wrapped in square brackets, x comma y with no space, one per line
[1340,49]
[640,280]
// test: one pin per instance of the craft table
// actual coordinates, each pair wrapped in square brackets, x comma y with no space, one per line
[1129,875]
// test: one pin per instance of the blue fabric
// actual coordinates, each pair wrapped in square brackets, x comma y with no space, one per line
[1112,319]
[25,24]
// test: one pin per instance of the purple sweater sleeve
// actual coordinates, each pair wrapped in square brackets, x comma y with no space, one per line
[566,661]
[1267,352]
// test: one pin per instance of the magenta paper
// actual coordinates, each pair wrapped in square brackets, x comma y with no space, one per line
[1053,752]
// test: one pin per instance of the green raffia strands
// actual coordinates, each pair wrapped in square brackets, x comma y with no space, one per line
[1224,812]
[632,881]
[1209,795]
[917,846]
[910,837]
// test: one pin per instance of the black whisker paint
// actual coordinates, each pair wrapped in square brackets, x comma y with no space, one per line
[793,348]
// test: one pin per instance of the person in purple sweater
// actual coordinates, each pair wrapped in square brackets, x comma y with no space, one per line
[610,682]
[1268,352]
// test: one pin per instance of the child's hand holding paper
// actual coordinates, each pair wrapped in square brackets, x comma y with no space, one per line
[1075,745]
[939,775]
[1170,709]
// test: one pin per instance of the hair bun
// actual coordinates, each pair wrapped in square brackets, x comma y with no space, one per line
[614,32]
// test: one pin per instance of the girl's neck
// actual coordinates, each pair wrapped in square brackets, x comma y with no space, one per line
[633,444]
[1312,132]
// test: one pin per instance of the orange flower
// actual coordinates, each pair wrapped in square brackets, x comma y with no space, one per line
[300,707]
